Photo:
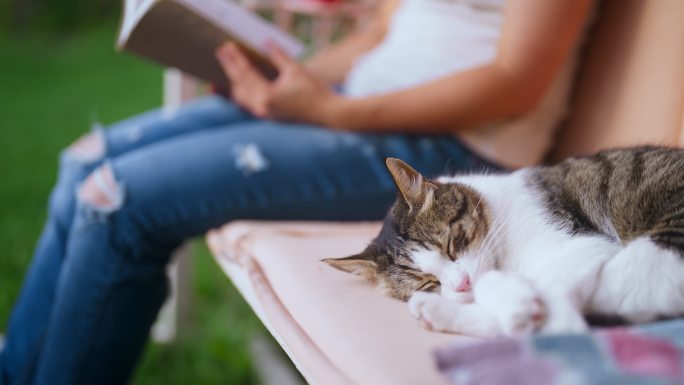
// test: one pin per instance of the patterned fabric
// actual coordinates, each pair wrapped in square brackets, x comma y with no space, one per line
[646,355]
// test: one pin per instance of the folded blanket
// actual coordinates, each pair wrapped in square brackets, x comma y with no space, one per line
[648,354]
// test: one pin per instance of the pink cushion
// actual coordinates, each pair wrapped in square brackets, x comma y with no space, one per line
[332,324]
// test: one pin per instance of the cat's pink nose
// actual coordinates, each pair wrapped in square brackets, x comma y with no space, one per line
[464,285]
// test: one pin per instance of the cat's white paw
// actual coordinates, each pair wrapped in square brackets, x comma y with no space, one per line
[518,308]
[522,317]
[513,302]
[432,311]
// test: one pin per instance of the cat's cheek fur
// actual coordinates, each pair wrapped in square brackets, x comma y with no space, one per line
[450,273]
[428,261]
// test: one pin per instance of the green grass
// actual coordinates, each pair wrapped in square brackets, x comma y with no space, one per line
[51,89]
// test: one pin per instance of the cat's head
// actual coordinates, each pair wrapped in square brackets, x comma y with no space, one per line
[425,239]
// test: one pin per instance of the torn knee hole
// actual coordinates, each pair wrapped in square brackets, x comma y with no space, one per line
[249,159]
[101,190]
[88,148]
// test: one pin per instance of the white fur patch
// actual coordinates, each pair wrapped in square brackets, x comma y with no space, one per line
[641,282]
[512,301]
[428,260]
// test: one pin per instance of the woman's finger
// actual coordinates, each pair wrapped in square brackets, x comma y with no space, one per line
[225,59]
[280,58]
[249,87]
[243,68]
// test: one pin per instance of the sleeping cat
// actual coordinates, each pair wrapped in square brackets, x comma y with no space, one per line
[537,249]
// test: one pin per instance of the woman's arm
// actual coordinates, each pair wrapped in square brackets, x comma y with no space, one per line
[537,38]
[333,63]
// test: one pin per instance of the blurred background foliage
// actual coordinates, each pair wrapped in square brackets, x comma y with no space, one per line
[59,74]
[55,15]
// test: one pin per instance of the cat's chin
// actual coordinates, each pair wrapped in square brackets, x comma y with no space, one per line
[458,296]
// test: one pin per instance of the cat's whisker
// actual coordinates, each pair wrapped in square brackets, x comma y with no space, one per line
[492,235]
[491,246]
[477,206]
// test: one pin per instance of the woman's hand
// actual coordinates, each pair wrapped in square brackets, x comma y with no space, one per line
[296,94]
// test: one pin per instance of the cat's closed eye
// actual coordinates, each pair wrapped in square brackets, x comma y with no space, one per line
[454,245]
[451,249]
[430,285]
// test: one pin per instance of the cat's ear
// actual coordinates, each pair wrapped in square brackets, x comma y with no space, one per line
[414,188]
[360,264]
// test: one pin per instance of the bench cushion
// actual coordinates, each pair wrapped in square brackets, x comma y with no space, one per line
[333,325]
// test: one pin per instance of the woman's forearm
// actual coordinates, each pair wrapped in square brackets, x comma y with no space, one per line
[459,101]
[536,39]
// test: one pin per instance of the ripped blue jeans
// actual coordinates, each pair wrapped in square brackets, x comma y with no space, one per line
[97,278]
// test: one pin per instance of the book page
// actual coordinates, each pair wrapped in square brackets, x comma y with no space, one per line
[134,10]
[247,27]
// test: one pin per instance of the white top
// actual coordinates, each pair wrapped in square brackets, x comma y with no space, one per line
[430,39]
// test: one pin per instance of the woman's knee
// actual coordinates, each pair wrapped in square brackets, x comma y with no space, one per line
[87,149]
[102,200]
[76,162]
[101,190]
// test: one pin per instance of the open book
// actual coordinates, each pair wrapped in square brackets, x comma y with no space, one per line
[185,33]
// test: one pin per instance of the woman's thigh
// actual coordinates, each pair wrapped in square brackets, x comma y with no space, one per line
[265,170]
[208,112]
